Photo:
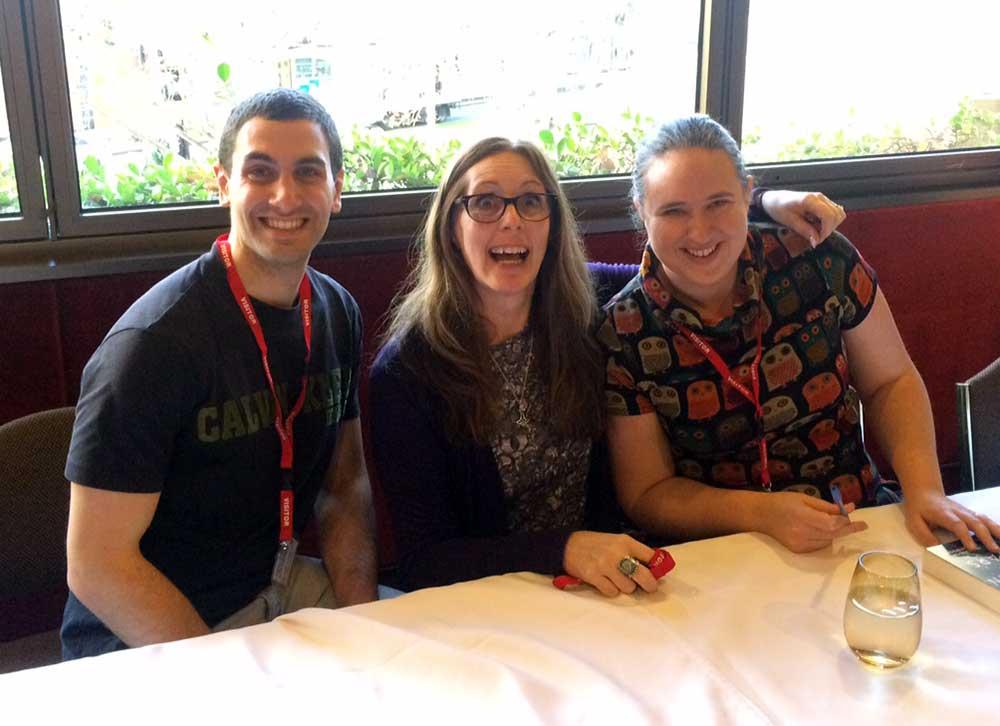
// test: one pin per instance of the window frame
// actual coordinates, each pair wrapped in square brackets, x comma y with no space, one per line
[31,222]
[71,219]
[94,242]
[861,182]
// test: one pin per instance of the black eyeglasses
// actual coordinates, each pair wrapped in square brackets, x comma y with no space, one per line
[532,206]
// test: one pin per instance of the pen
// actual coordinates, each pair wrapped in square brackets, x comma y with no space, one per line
[839,499]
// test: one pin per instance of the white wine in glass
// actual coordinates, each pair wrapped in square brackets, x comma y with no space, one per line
[882,616]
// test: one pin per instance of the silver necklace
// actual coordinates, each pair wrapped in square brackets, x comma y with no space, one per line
[522,391]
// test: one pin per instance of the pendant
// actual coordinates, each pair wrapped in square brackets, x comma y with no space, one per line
[522,420]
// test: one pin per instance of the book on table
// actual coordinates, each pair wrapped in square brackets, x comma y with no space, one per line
[976,574]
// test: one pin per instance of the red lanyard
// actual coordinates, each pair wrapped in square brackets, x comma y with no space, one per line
[284,427]
[727,375]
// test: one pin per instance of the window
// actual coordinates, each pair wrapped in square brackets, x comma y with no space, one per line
[112,118]
[148,99]
[9,203]
[861,78]
[22,204]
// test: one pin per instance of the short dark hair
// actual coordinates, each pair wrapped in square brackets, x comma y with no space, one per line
[280,104]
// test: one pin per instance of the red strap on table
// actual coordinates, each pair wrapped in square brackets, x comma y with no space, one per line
[659,565]
[283,425]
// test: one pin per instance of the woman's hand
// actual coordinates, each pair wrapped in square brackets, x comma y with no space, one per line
[924,510]
[594,556]
[803,523]
[809,214]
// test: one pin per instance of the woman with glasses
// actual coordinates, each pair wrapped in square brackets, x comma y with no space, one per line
[487,398]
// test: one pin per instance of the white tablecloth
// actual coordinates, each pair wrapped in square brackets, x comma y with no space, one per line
[742,631]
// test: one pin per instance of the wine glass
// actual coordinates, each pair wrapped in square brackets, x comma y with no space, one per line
[882,617]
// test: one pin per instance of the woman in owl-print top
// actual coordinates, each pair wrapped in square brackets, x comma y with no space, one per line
[713,304]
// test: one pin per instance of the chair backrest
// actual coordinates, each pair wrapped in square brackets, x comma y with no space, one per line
[979,428]
[34,507]
[611,277]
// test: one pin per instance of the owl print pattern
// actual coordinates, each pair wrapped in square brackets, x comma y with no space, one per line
[803,302]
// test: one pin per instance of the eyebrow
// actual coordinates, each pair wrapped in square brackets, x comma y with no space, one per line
[305,161]
[683,203]
[528,187]
[258,156]
[311,161]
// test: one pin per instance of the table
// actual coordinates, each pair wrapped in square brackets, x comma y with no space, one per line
[742,631]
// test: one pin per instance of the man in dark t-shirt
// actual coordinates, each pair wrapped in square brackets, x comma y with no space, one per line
[221,410]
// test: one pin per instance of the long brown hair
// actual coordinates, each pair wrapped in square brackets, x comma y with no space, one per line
[443,340]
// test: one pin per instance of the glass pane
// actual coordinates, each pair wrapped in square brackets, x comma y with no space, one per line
[407,85]
[860,77]
[9,203]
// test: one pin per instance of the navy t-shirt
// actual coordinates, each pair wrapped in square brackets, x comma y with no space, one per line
[174,401]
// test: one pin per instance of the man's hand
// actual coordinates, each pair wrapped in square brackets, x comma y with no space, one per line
[810,214]
[927,509]
[803,523]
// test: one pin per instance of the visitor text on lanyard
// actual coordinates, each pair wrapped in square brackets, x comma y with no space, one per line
[284,425]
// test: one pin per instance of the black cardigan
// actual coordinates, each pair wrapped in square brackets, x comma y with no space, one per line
[446,501]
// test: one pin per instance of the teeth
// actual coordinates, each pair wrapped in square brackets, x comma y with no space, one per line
[284,223]
[509,251]
[702,253]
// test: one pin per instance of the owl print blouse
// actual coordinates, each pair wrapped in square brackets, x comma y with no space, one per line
[810,413]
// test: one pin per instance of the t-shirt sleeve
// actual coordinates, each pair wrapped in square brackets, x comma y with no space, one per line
[756,213]
[623,396]
[135,392]
[849,277]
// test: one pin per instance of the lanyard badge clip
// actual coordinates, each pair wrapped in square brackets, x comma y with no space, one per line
[287,544]
[283,562]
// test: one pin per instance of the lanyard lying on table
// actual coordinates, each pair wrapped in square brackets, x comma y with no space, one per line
[661,563]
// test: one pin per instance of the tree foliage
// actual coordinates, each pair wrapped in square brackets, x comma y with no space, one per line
[378,161]
[969,127]
[8,190]
[578,148]
[161,180]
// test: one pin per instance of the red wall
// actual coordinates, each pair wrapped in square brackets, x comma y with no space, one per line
[938,266]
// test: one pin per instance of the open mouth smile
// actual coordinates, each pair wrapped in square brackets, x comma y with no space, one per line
[283,224]
[705,253]
[509,255]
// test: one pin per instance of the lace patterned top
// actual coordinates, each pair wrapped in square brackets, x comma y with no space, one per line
[543,474]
